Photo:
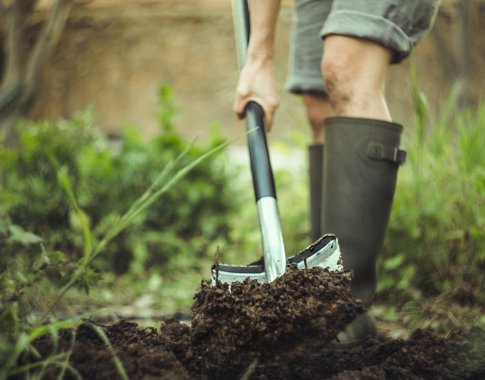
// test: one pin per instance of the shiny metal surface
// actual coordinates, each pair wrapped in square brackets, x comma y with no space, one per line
[272,238]
[324,253]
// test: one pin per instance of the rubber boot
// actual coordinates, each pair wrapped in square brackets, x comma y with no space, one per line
[315,172]
[361,158]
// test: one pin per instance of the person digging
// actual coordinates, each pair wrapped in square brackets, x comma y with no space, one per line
[340,53]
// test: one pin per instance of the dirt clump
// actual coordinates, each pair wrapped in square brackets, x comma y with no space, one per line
[252,318]
[142,353]
[282,330]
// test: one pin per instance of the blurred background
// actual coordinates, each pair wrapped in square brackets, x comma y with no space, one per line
[103,187]
[114,54]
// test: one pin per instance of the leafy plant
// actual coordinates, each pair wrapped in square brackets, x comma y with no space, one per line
[74,157]
[28,258]
[435,243]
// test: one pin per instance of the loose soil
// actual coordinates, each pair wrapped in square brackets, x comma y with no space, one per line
[283,330]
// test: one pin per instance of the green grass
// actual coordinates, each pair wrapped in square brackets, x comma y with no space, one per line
[436,239]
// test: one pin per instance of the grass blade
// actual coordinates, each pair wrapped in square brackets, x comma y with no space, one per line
[116,359]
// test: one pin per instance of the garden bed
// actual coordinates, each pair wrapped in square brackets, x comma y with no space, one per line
[283,330]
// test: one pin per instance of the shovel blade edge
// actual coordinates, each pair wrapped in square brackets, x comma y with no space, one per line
[324,253]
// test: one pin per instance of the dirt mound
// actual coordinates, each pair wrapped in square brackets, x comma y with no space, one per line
[281,330]
[259,317]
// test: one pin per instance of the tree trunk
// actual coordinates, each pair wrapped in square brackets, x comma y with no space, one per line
[456,60]
[23,64]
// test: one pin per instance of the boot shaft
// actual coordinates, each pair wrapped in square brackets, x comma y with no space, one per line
[315,173]
[361,158]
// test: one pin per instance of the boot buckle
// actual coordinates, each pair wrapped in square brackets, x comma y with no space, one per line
[378,151]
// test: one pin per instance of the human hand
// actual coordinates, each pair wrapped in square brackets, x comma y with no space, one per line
[257,83]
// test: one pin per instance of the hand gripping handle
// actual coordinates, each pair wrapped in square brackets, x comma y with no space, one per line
[263,180]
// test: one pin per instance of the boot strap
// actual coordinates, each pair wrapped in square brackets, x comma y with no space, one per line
[378,151]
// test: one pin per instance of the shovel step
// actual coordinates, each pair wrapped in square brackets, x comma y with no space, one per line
[324,253]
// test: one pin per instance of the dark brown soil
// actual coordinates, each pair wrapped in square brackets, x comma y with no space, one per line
[282,330]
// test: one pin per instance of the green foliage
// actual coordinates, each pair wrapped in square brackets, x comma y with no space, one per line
[22,350]
[66,183]
[436,238]
[86,185]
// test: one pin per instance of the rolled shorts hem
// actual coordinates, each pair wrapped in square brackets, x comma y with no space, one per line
[373,28]
[301,85]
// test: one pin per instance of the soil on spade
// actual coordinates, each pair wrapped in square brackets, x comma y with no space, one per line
[283,330]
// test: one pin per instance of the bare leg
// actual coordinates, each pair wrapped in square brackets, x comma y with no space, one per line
[355,72]
[318,108]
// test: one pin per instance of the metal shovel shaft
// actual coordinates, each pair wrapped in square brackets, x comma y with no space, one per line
[272,239]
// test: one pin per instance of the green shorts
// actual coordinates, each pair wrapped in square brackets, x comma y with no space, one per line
[395,24]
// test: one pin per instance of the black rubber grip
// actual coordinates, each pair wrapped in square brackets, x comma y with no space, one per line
[263,180]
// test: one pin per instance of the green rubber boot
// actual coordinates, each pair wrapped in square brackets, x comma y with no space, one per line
[315,172]
[361,158]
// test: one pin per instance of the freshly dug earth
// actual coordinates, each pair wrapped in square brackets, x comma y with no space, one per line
[283,330]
